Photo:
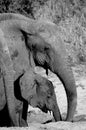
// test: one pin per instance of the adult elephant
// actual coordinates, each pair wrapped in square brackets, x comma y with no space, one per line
[27,33]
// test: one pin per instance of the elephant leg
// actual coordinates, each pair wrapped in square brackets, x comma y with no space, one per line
[20,110]
[25,109]
[8,74]
[9,90]
[22,122]
[21,103]
[5,120]
[23,115]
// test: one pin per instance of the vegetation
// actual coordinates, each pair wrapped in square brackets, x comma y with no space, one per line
[69,15]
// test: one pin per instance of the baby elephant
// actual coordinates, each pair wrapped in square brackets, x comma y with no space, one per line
[39,92]
[33,89]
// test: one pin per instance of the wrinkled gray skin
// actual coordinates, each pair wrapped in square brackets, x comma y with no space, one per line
[18,104]
[37,91]
[23,35]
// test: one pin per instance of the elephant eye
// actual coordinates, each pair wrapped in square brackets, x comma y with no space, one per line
[46,49]
[15,54]
[48,96]
[49,92]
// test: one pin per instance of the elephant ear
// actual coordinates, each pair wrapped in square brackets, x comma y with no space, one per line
[40,82]
[43,86]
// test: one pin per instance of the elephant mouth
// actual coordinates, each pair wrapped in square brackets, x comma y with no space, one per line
[44,109]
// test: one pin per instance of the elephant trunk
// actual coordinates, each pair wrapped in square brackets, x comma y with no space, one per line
[56,113]
[61,68]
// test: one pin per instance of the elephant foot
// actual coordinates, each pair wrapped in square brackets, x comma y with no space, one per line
[23,123]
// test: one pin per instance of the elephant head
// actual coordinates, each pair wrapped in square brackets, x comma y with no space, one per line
[45,97]
[39,92]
